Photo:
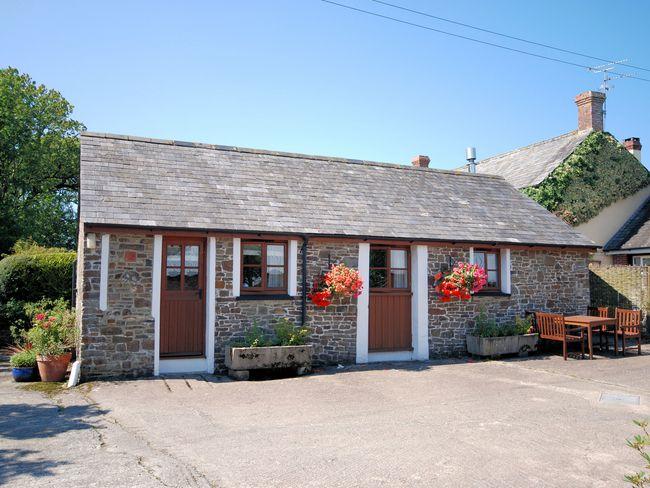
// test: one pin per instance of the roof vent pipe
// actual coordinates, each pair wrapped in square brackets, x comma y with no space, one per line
[470,155]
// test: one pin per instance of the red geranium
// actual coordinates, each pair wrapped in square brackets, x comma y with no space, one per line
[338,281]
[464,280]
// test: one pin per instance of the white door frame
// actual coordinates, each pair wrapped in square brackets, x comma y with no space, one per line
[190,365]
[419,309]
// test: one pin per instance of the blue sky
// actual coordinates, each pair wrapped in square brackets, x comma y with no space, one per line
[304,76]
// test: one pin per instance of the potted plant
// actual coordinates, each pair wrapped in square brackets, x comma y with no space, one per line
[492,339]
[52,337]
[286,350]
[23,364]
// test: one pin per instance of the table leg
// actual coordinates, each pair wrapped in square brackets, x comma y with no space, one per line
[589,340]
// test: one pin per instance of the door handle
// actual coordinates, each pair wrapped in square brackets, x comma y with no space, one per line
[201,293]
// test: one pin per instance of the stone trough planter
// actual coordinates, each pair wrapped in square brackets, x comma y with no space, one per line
[499,346]
[241,360]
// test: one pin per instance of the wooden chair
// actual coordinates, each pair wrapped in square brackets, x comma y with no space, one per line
[551,327]
[628,325]
[604,313]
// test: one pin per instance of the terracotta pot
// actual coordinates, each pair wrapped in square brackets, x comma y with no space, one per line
[53,368]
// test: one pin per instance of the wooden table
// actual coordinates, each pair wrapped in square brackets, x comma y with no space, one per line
[588,322]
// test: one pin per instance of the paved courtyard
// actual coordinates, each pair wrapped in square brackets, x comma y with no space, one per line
[535,422]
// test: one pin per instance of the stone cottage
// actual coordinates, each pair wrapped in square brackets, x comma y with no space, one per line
[183,245]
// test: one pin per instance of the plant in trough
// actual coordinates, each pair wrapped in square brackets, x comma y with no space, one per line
[290,334]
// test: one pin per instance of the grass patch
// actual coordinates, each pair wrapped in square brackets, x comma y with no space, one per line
[49,389]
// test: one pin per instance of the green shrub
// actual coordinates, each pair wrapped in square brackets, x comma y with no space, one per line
[19,314]
[32,275]
[640,443]
[23,359]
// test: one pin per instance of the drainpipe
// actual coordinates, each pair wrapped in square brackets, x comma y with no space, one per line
[303,311]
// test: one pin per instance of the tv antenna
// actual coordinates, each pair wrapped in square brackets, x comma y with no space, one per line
[606,69]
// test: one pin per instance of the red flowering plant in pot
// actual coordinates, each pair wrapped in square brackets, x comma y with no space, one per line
[339,281]
[464,280]
[52,337]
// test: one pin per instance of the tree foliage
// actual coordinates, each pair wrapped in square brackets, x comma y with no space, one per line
[598,173]
[39,163]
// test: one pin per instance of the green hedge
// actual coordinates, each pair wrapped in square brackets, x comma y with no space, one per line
[32,276]
[598,173]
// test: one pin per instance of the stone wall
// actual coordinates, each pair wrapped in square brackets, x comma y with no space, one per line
[120,340]
[542,280]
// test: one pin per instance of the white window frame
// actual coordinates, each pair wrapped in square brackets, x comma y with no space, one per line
[505,282]
[639,260]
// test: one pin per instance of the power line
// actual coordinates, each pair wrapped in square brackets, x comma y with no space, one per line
[507,36]
[512,49]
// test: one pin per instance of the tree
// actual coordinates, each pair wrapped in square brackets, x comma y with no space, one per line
[39,163]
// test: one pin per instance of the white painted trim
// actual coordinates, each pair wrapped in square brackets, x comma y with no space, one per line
[292,281]
[362,303]
[236,266]
[471,255]
[192,365]
[210,302]
[103,272]
[505,271]
[155,299]
[640,250]
[379,357]
[420,302]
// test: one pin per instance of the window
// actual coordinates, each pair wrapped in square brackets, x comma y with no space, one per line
[490,261]
[641,260]
[389,268]
[264,267]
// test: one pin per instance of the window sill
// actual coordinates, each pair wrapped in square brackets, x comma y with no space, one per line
[491,293]
[265,296]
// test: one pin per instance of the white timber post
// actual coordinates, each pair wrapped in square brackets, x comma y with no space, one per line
[420,301]
[211,276]
[505,271]
[292,288]
[155,299]
[362,303]
[236,266]
[103,272]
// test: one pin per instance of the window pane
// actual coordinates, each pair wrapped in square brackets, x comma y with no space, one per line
[252,278]
[636,260]
[378,278]
[479,259]
[645,261]
[399,277]
[275,277]
[492,261]
[192,256]
[377,258]
[398,258]
[173,255]
[191,279]
[173,277]
[252,254]
[275,255]
[492,278]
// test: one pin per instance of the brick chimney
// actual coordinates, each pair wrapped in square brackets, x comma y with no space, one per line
[633,145]
[421,161]
[590,110]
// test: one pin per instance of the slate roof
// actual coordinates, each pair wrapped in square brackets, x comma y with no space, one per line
[131,181]
[635,232]
[530,165]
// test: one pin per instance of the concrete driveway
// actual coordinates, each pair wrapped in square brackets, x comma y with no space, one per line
[535,422]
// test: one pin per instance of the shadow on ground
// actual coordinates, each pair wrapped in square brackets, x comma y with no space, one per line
[20,462]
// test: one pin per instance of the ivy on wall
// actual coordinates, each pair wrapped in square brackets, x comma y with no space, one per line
[598,173]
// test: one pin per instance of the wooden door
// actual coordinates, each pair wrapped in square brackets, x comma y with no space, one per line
[389,326]
[182,302]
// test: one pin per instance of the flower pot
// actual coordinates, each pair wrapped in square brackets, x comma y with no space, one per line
[23,374]
[53,368]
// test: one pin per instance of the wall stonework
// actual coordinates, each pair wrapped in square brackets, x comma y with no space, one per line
[120,340]
[542,280]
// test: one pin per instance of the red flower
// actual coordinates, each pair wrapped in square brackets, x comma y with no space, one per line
[40,316]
